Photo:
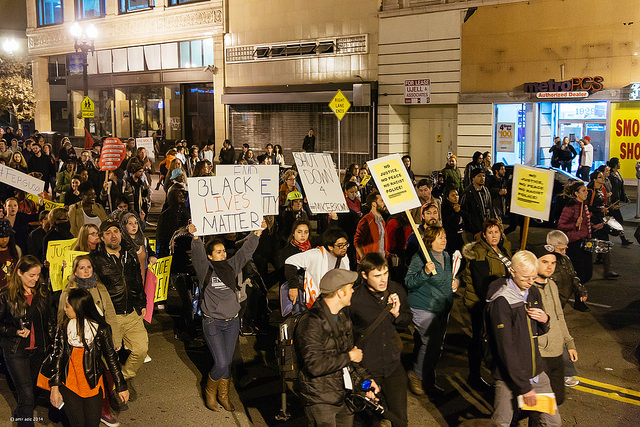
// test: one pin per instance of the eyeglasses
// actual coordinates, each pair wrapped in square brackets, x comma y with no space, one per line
[342,245]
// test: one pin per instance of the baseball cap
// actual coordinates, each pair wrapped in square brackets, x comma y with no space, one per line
[542,250]
[335,279]
[108,224]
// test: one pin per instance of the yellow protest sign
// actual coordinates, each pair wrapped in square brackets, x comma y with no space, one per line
[624,136]
[394,183]
[152,245]
[531,191]
[161,269]
[48,204]
[88,108]
[339,105]
[56,251]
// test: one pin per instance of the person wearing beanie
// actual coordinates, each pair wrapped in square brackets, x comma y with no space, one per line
[476,206]
[329,360]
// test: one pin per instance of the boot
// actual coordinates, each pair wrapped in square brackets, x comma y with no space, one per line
[625,241]
[211,393]
[415,384]
[223,395]
[608,273]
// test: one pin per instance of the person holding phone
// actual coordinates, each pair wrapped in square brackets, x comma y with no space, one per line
[27,328]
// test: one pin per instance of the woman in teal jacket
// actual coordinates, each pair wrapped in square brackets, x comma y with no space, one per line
[430,299]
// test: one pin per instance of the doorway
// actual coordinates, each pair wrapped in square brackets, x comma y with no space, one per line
[198,113]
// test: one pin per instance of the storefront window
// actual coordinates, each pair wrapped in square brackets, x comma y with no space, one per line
[513,120]
[578,119]
[147,110]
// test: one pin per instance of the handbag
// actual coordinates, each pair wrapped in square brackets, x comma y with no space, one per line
[47,369]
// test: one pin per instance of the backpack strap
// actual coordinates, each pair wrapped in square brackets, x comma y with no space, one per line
[372,327]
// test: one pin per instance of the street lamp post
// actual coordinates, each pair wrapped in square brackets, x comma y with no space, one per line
[84,36]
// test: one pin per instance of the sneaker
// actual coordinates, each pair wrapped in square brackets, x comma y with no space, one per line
[109,420]
[571,381]
[626,242]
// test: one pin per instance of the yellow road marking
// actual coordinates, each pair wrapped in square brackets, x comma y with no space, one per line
[468,397]
[609,386]
[610,395]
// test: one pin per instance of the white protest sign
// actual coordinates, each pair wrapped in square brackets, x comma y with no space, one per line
[225,204]
[147,144]
[20,180]
[321,183]
[269,177]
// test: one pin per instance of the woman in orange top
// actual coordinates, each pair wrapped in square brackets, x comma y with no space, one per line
[82,339]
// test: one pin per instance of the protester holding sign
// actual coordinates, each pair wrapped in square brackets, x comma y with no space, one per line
[221,324]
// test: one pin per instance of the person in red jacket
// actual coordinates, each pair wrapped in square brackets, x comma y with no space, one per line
[369,235]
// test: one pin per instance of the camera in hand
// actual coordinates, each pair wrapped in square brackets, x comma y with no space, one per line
[358,401]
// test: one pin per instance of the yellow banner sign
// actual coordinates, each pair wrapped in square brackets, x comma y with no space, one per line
[531,191]
[56,252]
[48,204]
[161,269]
[394,183]
[624,136]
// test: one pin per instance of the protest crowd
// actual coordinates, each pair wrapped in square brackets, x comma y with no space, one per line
[79,275]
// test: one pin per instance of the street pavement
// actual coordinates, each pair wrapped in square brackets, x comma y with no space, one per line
[170,385]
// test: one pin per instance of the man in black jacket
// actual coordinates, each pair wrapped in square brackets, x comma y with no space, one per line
[330,361]
[374,294]
[118,267]
[40,162]
[515,321]
[476,206]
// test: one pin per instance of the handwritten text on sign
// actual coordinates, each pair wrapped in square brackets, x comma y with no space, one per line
[225,204]
[147,144]
[21,181]
[394,183]
[161,269]
[320,182]
[269,176]
[531,191]
[56,253]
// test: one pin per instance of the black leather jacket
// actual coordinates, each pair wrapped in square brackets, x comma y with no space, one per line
[121,277]
[323,346]
[41,313]
[99,347]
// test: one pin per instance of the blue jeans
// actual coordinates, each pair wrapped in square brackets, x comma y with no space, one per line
[221,337]
[430,329]
[23,367]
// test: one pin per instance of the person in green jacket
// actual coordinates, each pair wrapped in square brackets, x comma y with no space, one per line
[431,286]
[452,175]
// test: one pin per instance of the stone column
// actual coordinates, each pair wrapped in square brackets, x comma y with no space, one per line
[40,72]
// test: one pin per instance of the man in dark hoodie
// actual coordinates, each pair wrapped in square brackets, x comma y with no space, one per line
[174,216]
[515,320]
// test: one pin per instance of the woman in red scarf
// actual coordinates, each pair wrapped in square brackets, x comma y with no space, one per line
[298,241]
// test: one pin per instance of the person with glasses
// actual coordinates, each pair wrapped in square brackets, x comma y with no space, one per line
[316,263]
[515,319]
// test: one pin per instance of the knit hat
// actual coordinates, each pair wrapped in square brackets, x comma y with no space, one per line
[335,279]
[5,228]
[475,171]
[587,138]
[542,250]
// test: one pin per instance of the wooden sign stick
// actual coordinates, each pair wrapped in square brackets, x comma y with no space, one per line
[525,232]
[419,237]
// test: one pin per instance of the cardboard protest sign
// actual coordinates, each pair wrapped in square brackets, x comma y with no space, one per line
[112,154]
[394,183]
[150,286]
[152,245]
[161,270]
[225,204]
[321,183]
[48,204]
[20,180]
[147,144]
[531,191]
[269,179]
[56,251]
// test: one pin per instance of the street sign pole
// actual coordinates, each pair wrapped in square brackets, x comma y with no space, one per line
[339,122]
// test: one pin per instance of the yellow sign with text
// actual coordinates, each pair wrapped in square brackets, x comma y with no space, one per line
[393,181]
[56,251]
[48,204]
[624,136]
[161,270]
[88,108]
[339,105]
[531,191]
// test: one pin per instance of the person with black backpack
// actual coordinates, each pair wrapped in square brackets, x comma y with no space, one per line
[378,308]
[217,278]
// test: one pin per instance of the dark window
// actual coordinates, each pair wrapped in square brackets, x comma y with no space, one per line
[49,12]
[177,2]
[87,9]
[135,5]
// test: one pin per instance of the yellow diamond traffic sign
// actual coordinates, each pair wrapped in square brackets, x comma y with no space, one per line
[339,105]
[88,107]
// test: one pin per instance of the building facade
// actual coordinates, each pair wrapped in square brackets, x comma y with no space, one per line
[154,66]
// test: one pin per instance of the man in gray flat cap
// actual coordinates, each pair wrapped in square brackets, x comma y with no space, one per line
[330,362]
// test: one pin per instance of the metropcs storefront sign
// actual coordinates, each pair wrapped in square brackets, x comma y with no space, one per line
[577,87]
